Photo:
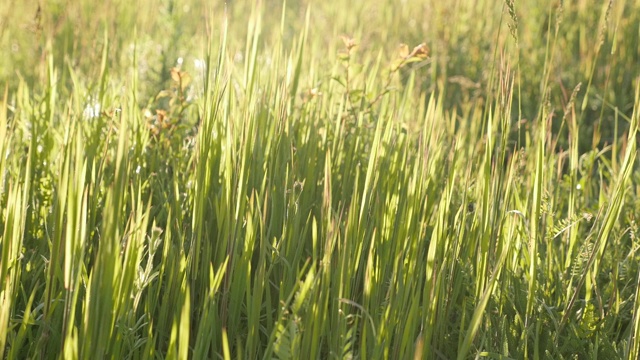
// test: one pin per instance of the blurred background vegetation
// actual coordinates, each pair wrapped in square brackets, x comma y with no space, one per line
[597,44]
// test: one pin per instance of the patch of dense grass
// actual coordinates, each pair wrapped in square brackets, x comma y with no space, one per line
[292,180]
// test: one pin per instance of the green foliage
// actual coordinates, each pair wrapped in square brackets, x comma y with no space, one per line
[249,180]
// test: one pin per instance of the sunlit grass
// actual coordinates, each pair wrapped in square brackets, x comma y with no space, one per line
[287,180]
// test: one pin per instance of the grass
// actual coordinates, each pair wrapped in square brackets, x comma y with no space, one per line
[257,180]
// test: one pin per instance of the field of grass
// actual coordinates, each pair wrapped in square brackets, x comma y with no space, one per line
[362,179]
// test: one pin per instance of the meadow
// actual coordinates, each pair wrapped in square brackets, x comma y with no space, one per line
[363,179]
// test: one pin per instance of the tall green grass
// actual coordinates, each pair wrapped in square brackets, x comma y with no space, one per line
[441,181]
